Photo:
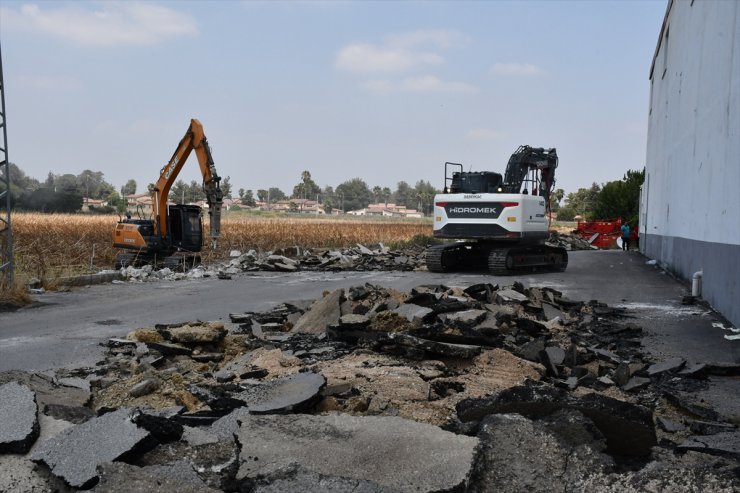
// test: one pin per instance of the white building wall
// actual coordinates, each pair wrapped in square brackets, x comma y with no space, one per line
[690,205]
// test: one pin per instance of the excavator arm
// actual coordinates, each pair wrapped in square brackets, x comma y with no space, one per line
[194,139]
[541,163]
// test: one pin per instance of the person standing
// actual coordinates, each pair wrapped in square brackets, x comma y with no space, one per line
[625,236]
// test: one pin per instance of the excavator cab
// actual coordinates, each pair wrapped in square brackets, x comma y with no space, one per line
[185,228]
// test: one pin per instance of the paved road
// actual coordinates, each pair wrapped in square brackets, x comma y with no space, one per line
[64,329]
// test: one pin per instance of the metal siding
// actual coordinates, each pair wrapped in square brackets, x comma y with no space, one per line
[691,202]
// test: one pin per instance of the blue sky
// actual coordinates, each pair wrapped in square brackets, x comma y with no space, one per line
[384,91]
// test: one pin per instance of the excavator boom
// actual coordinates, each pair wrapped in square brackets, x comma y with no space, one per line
[174,234]
[194,139]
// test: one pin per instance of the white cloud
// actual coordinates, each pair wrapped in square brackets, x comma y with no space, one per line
[398,52]
[104,23]
[484,134]
[421,84]
[363,57]
[516,69]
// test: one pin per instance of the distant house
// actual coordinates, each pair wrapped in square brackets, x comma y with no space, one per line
[386,210]
[88,204]
[304,206]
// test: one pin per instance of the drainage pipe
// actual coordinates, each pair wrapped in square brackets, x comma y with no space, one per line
[696,284]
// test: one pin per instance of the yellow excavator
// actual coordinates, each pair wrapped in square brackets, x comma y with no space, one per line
[173,236]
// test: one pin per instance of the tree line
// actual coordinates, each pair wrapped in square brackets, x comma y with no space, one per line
[66,193]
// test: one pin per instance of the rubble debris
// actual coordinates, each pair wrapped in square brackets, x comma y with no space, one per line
[517,454]
[118,477]
[443,358]
[19,425]
[356,258]
[291,393]
[18,474]
[323,312]
[628,428]
[569,241]
[724,444]
[75,453]
[390,451]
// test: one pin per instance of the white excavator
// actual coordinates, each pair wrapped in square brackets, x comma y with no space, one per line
[499,223]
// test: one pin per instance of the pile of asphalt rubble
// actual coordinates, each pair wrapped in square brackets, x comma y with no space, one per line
[373,390]
[358,258]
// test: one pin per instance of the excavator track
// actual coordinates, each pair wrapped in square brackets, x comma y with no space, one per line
[454,256]
[497,262]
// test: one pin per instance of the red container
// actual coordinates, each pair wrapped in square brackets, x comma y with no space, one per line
[602,233]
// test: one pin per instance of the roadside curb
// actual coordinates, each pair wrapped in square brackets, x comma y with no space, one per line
[85,280]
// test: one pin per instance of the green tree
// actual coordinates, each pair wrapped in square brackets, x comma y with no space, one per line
[377,191]
[424,192]
[47,200]
[307,188]
[262,195]
[328,205]
[555,197]
[179,192]
[248,199]
[580,203]
[241,193]
[621,198]
[20,183]
[354,194]
[276,194]
[386,194]
[129,188]
[225,187]
[402,194]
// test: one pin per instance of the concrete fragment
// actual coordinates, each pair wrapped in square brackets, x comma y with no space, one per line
[284,394]
[636,383]
[550,312]
[412,312]
[390,451]
[504,296]
[146,386]
[709,427]
[298,479]
[323,312]
[197,334]
[621,374]
[75,453]
[669,366]
[124,478]
[20,475]
[517,454]
[443,349]
[169,349]
[19,425]
[668,426]
[465,319]
[72,414]
[724,444]
[628,428]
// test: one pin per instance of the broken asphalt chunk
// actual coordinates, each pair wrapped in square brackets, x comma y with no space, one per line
[436,348]
[393,452]
[283,394]
[19,425]
[723,444]
[628,428]
[75,453]
[412,312]
[322,313]
[671,366]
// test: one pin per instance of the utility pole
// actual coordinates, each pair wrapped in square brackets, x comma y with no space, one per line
[6,231]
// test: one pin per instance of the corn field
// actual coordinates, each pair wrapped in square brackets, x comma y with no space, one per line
[47,246]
